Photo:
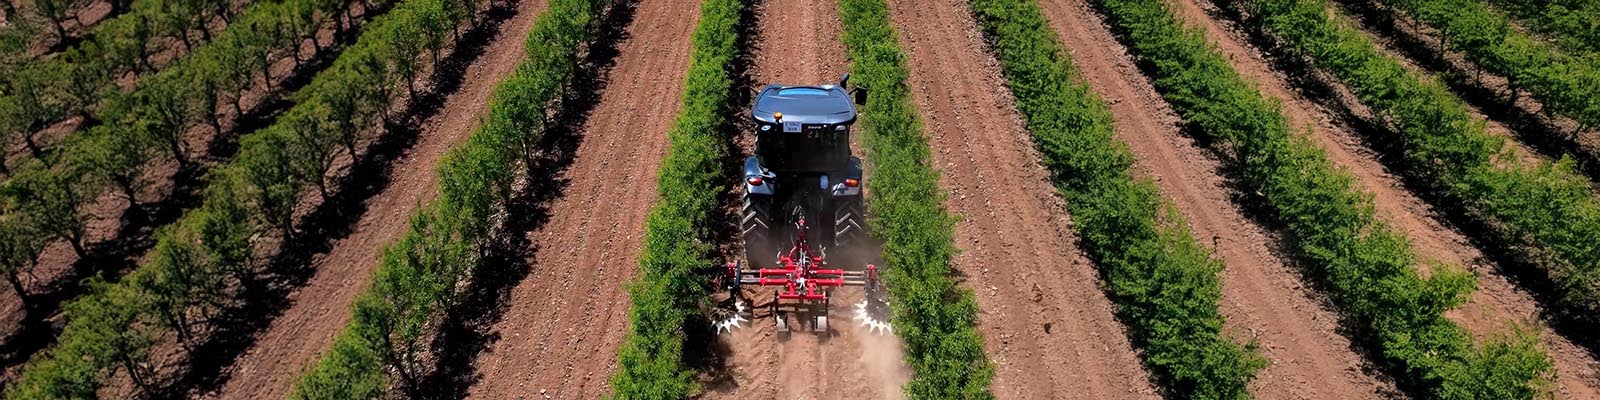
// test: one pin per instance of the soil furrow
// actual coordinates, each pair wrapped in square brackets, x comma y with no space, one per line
[1047,325]
[559,336]
[1264,299]
[1497,305]
[320,308]
[798,43]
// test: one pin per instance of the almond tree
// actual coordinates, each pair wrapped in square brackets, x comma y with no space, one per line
[48,200]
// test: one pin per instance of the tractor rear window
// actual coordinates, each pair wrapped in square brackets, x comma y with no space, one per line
[802,91]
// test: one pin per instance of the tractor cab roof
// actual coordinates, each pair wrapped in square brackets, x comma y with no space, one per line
[826,104]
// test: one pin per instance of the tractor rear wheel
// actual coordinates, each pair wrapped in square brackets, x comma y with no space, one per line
[848,220]
[755,228]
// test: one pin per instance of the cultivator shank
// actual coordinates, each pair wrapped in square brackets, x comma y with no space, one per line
[804,284]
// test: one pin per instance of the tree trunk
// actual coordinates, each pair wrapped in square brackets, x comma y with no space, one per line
[125,182]
[175,145]
[238,108]
[322,187]
[183,37]
[133,372]
[16,285]
[215,122]
[33,144]
[76,240]
[61,32]
[266,72]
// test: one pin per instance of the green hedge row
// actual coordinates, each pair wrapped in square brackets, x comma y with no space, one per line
[671,286]
[200,263]
[1367,266]
[1565,84]
[1545,211]
[1165,284]
[38,92]
[935,317]
[145,126]
[1574,25]
[417,277]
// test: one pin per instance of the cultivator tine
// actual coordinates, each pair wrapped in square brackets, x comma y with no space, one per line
[734,318]
[864,315]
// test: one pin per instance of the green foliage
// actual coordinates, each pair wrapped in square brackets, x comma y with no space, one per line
[84,77]
[1165,284]
[1574,25]
[1565,84]
[203,261]
[669,289]
[931,314]
[140,127]
[417,277]
[1366,265]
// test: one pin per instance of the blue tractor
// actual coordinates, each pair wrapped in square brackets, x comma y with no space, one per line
[802,170]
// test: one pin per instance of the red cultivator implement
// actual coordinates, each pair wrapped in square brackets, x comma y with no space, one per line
[804,284]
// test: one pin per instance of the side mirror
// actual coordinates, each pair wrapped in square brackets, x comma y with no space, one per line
[844,81]
[861,96]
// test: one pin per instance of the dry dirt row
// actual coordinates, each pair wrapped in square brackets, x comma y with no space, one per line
[798,43]
[320,308]
[558,336]
[1047,325]
[1263,299]
[1497,305]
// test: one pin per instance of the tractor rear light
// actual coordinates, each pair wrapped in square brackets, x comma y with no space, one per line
[753,181]
[851,182]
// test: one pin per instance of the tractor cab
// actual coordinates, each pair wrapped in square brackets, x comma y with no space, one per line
[802,168]
[803,128]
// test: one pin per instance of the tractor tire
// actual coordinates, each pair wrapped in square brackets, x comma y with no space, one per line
[848,223]
[756,230]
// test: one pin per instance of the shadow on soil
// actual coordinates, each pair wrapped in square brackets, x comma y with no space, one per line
[112,258]
[468,328]
[267,296]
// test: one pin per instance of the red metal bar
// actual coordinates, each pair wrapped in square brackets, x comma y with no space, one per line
[798,296]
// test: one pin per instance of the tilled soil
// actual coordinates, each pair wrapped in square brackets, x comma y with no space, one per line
[1497,305]
[559,335]
[798,43]
[320,309]
[1047,325]
[1263,299]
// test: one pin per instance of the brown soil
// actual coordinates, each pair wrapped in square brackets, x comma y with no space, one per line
[1264,300]
[798,43]
[1047,325]
[320,309]
[1498,305]
[559,336]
